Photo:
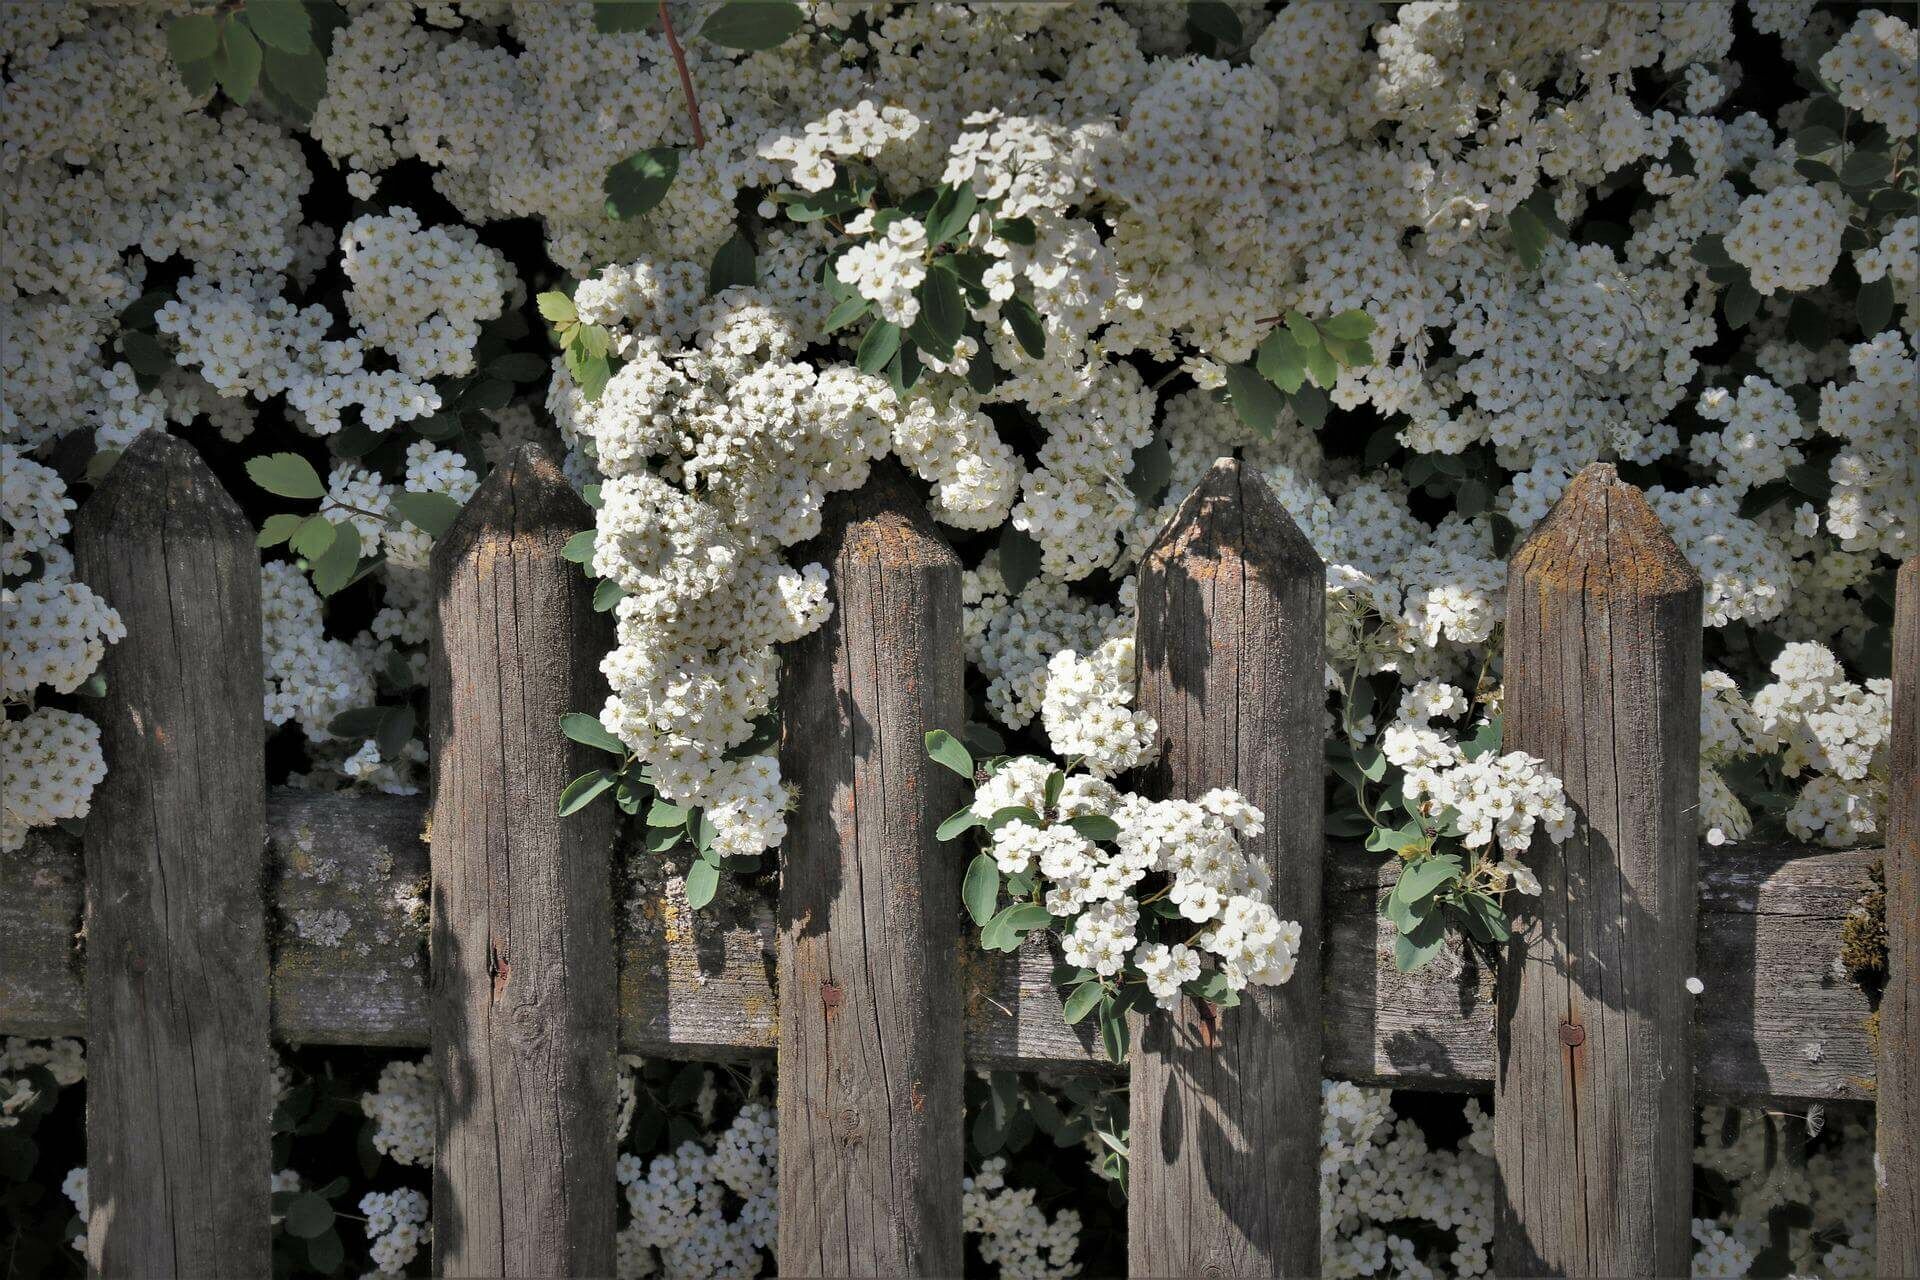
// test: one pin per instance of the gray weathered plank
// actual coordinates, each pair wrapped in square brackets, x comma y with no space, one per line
[1778,1019]
[522,1003]
[178,1094]
[1231,662]
[1897,1141]
[1593,1093]
[871,1144]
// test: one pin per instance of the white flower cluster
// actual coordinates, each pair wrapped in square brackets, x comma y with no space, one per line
[679,1204]
[1492,799]
[1788,238]
[1016,1235]
[64,1060]
[1214,894]
[401,1107]
[1839,733]
[396,1226]
[53,633]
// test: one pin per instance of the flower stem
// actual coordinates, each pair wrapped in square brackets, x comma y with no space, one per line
[686,76]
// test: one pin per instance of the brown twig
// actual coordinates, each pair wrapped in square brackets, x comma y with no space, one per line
[686,76]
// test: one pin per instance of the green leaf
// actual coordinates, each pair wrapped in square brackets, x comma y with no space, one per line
[1322,367]
[237,65]
[579,548]
[1020,558]
[277,529]
[1486,737]
[311,539]
[357,722]
[621,17]
[1310,406]
[1150,471]
[957,823]
[335,567]
[1875,306]
[1113,1029]
[1281,361]
[1864,168]
[197,76]
[581,791]
[1808,323]
[981,888]
[1421,879]
[1025,916]
[1217,21]
[950,213]
[638,183]
[192,37]
[432,513]
[308,1215]
[846,311]
[1741,302]
[1415,949]
[281,23]
[606,594]
[396,727]
[1394,839]
[520,366]
[1352,326]
[1253,398]
[945,749]
[752,24]
[1028,329]
[703,881]
[1084,999]
[587,730]
[1305,335]
[665,813]
[590,372]
[1529,235]
[1020,231]
[1013,813]
[286,474]
[733,264]
[144,353]
[1095,826]
[301,77]
[878,347]
[943,313]
[556,307]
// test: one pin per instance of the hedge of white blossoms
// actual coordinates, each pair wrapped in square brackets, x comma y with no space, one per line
[1682,236]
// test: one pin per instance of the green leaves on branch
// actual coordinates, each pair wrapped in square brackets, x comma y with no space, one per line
[1294,367]
[329,540]
[278,47]
[586,348]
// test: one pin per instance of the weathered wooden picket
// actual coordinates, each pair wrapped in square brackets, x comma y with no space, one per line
[180,966]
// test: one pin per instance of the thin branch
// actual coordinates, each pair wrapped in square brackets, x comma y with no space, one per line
[686,76]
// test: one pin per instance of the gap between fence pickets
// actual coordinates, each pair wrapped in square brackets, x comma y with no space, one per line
[1778,1018]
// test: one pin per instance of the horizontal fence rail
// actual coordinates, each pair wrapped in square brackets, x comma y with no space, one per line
[1777,1020]
[511,952]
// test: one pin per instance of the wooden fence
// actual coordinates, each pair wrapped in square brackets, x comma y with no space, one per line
[160,946]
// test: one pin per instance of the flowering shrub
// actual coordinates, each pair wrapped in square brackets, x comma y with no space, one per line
[1416,264]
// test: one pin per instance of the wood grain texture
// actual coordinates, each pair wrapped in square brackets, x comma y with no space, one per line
[1898,1138]
[1779,1019]
[522,998]
[1593,1091]
[178,1088]
[871,1144]
[1224,1176]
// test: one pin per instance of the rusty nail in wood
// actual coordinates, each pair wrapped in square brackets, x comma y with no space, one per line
[1572,1033]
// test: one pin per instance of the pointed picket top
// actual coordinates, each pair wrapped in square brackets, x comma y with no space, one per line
[1233,510]
[526,500]
[156,480]
[884,521]
[1602,536]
